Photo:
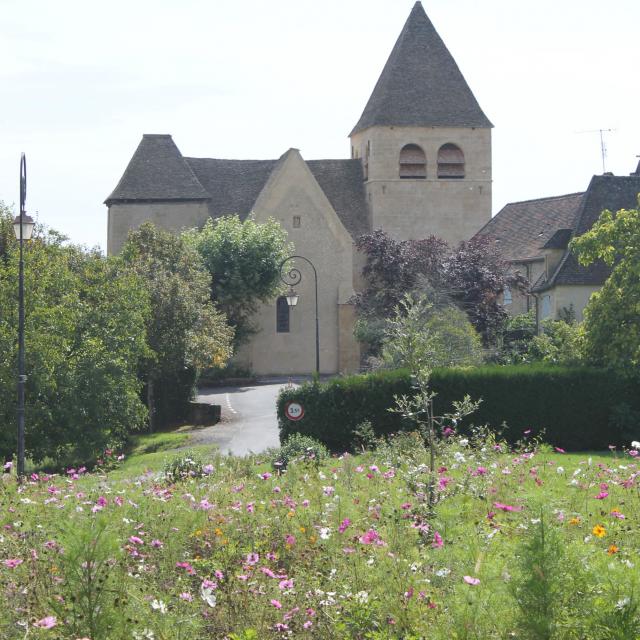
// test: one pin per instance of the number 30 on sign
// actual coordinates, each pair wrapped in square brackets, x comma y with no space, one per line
[294,411]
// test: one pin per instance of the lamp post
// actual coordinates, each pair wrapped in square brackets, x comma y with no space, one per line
[23,227]
[292,277]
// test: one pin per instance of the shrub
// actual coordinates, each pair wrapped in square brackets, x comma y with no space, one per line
[186,465]
[300,447]
[574,406]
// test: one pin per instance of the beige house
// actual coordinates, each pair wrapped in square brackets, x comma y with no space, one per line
[420,165]
[533,236]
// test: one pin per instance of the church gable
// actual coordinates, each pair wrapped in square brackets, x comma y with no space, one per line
[293,193]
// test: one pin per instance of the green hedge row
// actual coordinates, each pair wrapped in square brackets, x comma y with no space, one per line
[578,408]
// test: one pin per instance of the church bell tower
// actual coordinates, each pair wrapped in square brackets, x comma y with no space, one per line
[424,142]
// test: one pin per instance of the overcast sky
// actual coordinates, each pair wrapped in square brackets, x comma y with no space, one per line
[81,81]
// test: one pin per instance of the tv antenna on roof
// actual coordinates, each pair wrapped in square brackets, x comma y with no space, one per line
[603,147]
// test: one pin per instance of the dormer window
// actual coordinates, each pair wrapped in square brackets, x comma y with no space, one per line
[413,162]
[450,162]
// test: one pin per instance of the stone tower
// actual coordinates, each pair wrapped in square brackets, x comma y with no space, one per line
[424,142]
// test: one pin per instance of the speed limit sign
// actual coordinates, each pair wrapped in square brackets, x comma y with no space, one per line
[294,411]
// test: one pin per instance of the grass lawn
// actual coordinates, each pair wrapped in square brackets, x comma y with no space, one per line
[519,544]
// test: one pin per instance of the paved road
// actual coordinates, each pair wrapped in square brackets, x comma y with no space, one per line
[249,421]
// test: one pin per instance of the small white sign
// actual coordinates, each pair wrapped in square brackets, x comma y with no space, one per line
[294,411]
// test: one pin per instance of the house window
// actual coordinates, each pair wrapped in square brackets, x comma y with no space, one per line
[546,307]
[282,315]
[413,162]
[450,162]
[508,298]
[296,222]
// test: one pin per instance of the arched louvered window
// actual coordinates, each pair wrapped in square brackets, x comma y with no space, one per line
[413,162]
[450,162]
[282,315]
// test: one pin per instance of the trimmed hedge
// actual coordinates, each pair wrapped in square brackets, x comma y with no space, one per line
[574,406]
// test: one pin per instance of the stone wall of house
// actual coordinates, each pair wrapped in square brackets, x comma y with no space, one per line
[453,209]
[172,216]
[566,297]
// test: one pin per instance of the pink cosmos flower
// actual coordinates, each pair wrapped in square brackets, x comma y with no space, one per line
[207,469]
[7,466]
[119,501]
[506,507]
[286,584]
[369,537]
[472,581]
[328,491]
[480,471]
[218,574]
[157,544]
[12,563]
[437,540]
[602,495]
[252,558]
[305,503]
[281,626]
[136,540]
[187,567]
[268,572]
[559,450]
[277,604]
[266,475]
[343,525]
[208,584]
[290,540]
[185,595]
[307,625]
[46,623]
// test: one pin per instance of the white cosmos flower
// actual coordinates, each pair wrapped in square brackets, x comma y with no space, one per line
[207,594]
[635,444]
[158,605]
[325,533]
[560,470]
[362,597]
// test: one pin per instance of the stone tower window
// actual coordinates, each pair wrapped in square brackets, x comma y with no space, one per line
[413,162]
[450,162]
[282,315]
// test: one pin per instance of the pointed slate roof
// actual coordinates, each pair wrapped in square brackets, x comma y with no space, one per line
[421,84]
[157,171]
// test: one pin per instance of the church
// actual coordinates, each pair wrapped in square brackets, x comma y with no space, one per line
[419,165]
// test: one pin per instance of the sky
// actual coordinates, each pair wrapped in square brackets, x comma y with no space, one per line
[81,81]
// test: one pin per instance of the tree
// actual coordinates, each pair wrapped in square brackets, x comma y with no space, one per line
[185,331]
[471,277]
[423,336]
[612,316]
[243,259]
[85,334]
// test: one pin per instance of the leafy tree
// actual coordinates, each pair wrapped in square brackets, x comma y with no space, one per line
[243,258]
[85,333]
[471,277]
[185,332]
[612,317]
[422,336]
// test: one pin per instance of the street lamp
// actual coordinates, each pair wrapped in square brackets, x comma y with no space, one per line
[293,277]
[23,228]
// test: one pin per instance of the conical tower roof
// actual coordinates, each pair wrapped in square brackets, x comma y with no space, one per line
[421,85]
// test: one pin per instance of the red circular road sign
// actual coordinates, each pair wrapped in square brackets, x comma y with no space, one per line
[294,411]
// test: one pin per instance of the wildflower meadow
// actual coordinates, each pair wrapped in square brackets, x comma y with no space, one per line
[521,542]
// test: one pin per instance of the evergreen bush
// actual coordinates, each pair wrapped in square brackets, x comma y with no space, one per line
[574,406]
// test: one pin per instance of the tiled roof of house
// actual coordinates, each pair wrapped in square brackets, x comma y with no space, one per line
[421,84]
[521,229]
[604,192]
[157,172]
